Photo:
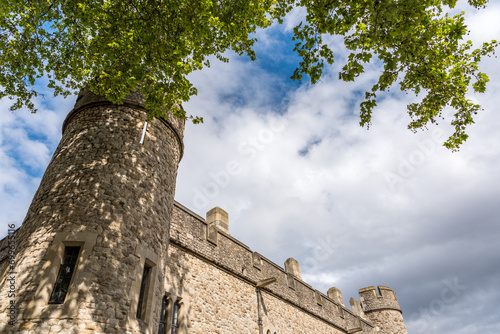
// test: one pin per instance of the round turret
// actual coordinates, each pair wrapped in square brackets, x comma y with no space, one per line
[92,249]
[383,309]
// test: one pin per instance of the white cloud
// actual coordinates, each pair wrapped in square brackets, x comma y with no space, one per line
[27,142]
[418,231]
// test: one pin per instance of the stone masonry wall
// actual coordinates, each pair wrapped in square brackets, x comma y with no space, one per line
[389,321]
[383,309]
[226,257]
[217,302]
[112,196]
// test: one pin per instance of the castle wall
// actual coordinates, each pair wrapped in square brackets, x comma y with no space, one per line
[113,197]
[220,303]
[227,270]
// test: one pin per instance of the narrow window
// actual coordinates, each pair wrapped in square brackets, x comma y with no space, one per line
[175,318]
[143,294]
[65,274]
[163,316]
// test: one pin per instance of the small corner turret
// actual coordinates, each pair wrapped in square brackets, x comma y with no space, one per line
[382,309]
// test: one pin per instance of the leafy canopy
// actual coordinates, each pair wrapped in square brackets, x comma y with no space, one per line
[150,46]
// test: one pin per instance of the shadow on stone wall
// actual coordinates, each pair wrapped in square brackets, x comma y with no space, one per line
[112,196]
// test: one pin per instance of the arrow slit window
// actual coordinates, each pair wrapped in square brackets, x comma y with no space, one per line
[175,318]
[163,316]
[65,275]
[143,294]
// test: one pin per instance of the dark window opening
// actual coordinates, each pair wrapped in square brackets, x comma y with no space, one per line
[65,274]
[175,318]
[143,294]
[163,316]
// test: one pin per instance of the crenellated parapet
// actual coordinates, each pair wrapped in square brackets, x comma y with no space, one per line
[204,238]
[373,301]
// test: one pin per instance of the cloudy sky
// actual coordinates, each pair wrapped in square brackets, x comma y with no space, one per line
[299,178]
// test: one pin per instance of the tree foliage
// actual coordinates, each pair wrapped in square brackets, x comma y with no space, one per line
[419,44]
[151,46]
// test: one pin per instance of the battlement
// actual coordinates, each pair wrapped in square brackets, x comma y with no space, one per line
[193,234]
[385,299]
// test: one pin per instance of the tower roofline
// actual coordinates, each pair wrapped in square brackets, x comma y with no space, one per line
[378,299]
[87,99]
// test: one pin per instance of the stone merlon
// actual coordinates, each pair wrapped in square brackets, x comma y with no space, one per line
[219,218]
[292,267]
[336,295]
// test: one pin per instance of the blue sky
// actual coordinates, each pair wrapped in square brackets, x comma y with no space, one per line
[354,207]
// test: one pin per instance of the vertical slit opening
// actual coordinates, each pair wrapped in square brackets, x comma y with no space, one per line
[143,294]
[65,275]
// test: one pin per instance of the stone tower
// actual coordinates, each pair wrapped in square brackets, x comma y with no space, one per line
[383,309]
[103,206]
